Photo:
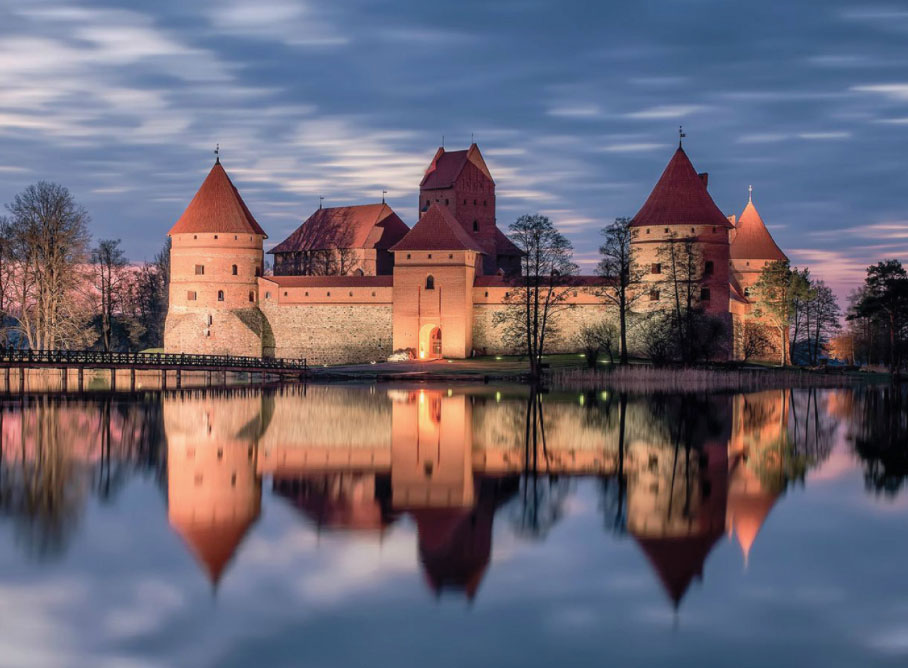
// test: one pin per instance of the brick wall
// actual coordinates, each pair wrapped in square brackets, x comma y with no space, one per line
[213,331]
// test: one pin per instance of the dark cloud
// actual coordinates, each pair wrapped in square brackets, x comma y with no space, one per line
[576,105]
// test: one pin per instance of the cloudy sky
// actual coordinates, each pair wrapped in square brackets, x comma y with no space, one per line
[576,106]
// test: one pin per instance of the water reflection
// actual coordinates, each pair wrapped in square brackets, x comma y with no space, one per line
[675,473]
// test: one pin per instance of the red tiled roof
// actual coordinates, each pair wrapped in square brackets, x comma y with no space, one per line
[504,246]
[362,226]
[446,166]
[217,207]
[214,544]
[678,560]
[496,281]
[680,198]
[752,240]
[438,229]
[332,281]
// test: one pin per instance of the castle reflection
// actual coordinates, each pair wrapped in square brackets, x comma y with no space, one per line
[677,472]
[691,470]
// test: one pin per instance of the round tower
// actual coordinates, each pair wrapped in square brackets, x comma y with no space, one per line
[216,260]
[680,210]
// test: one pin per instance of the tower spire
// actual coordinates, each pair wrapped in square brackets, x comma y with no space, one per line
[681,135]
[750,194]
[383,193]
[217,154]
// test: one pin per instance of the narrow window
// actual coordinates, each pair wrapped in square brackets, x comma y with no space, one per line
[285,293]
[235,237]
[233,269]
[210,320]
[430,282]
[446,202]
[485,202]
[408,256]
[666,230]
[747,292]
[647,230]
[195,236]
[305,295]
[215,236]
[351,293]
[487,293]
[430,256]
[251,296]
[329,294]
[450,256]
[220,295]
[657,268]
[704,294]
[465,201]
[654,295]
[476,226]
[200,270]
[709,267]
[373,294]
[267,295]
[258,271]
[475,202]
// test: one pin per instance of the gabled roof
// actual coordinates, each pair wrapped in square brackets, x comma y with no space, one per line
[362,226]
[217,207]
[446,166]
[680,198]
[752,240]
[438,229]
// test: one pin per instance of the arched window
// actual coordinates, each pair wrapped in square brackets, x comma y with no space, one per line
[357,272]
[233,269]
[430,282]
[220,295]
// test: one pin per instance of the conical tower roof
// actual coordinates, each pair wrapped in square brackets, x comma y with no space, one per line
[217,208]
[680,198]
[752,240]
[214,544]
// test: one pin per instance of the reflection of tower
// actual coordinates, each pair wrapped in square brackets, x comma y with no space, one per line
[213,492]
[676,508]
[432,478]
[760,425]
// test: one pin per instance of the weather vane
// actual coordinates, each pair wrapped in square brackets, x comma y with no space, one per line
[320,200]
[217,153]
[681,135]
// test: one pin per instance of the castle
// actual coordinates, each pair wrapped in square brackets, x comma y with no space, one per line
[354,283]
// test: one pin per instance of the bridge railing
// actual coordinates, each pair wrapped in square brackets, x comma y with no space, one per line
[120,359]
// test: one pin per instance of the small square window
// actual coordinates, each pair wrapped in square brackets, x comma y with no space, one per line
[451,256]
[200,270]
[267,295]
[704,294]
[709,268]
[215,236]
[305,294]
[351,293]
[654,295]
[192,295]
[285,293]
[408,256]
[430,256]
[656,268]
[329,294]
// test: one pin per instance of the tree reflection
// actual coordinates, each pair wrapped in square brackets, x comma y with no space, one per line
[55,452]
[542,494]
[881,438]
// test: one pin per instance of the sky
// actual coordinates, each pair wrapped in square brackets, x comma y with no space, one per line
[575,106]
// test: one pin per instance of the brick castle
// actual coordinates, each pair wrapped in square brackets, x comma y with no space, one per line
[354,283]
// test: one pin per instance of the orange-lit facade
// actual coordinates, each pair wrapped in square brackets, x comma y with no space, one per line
[355,283]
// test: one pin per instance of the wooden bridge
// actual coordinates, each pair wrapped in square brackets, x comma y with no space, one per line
[79,360]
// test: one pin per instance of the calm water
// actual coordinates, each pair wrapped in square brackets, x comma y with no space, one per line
[336,526]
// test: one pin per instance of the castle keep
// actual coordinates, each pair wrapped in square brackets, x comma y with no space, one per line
[353,284]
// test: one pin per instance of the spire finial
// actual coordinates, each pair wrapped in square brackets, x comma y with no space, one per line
[750,194]
[442,141]
[320,200]
[383,193]
[681,135]
[472,141]
[217,154]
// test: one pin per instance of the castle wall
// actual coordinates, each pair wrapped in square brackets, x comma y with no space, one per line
[327,325]
[489,305]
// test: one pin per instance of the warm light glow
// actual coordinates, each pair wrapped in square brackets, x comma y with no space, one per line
[498,396]
[603,395]
[422,354]
[582,400]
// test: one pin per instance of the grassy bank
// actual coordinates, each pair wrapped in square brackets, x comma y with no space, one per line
[646,378]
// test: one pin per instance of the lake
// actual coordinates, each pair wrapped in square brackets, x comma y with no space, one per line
[452,526]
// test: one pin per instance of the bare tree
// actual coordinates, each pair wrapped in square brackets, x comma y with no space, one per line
[622,274]
[110,281]
[530,319]
[49,245]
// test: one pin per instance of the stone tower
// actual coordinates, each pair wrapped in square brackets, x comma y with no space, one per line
[680,208]
[435,266]
[461,182]
[215,261]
